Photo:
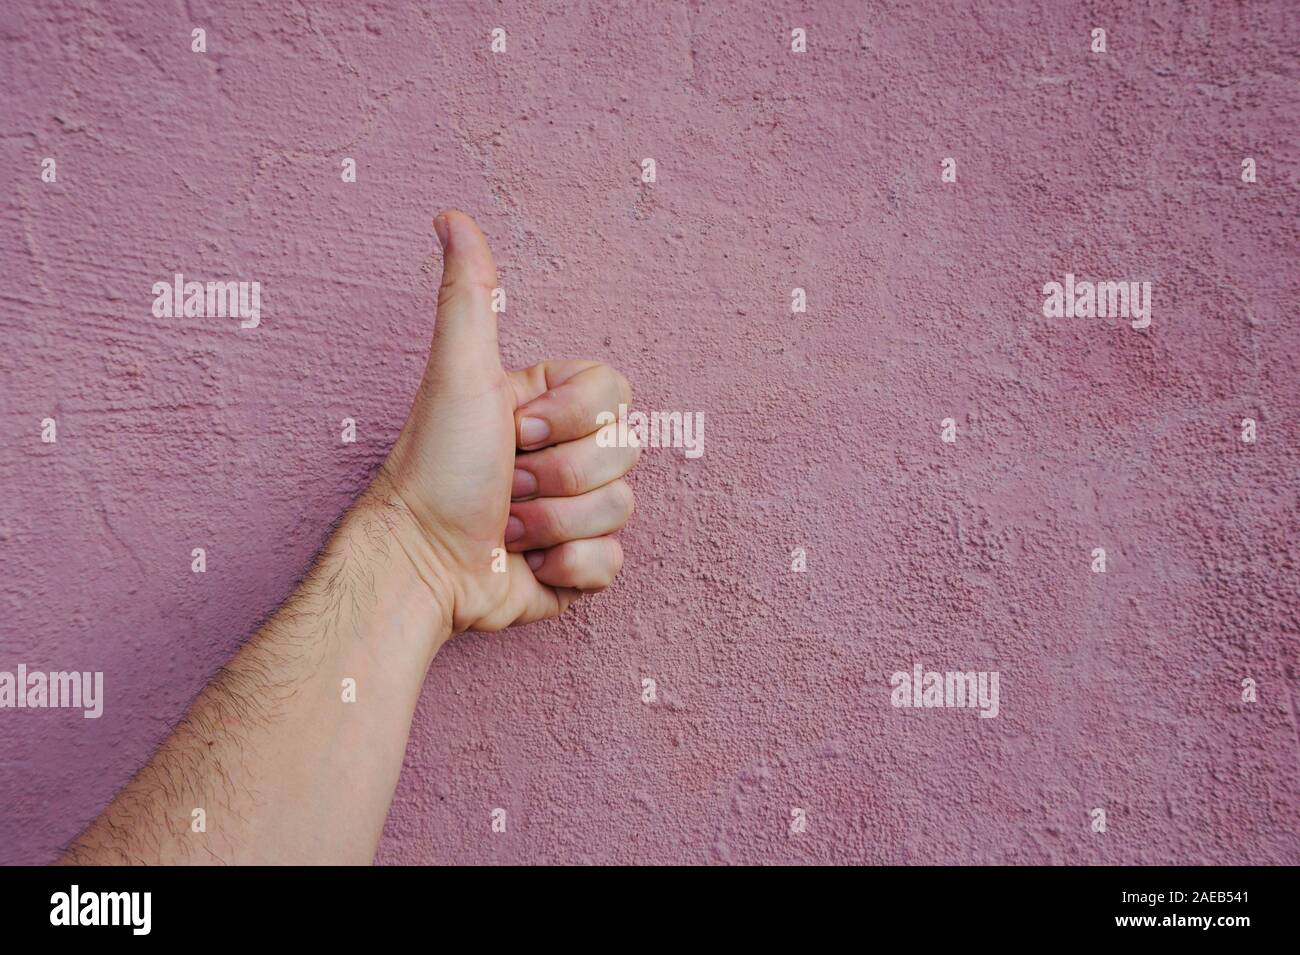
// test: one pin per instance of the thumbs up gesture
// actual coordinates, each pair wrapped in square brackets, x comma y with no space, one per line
[496,489]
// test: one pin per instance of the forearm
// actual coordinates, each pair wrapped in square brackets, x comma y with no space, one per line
[285,767]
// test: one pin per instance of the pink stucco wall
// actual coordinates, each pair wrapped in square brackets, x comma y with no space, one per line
[1119,691]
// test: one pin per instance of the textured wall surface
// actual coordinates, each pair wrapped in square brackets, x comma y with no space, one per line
[1119,690]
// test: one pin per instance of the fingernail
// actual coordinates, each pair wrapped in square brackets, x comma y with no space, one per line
[443,232]
[514,529]
[533,431]
[524,484]
[535,559]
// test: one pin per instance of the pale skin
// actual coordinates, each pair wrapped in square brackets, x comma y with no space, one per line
[283,768]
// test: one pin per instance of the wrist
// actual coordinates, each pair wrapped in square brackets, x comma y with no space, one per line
[412,594]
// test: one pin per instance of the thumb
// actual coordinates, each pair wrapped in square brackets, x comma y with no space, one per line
[465,332]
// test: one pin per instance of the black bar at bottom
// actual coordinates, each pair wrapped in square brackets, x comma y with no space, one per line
[941,905]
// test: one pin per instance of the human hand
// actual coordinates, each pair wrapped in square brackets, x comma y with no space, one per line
[496,489]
